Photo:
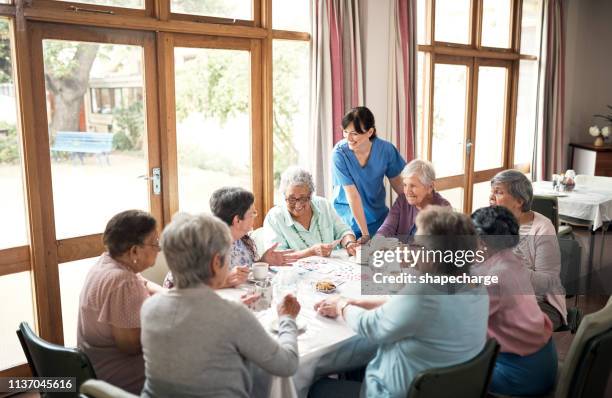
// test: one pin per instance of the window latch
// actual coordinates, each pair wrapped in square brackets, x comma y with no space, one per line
[91,10]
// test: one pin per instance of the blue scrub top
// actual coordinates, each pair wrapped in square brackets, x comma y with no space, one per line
[384,160]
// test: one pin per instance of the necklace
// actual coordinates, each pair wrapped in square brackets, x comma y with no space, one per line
[299,234]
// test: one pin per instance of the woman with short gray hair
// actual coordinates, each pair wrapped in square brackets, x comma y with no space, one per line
[418,178]
[305,222]
[189,330]
[538,247]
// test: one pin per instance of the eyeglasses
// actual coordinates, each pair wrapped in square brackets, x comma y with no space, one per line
[353,134]
[155,245]
[293,201]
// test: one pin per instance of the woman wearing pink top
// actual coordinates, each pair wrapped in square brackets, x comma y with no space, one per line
[527,362]
[111,298]
[538,246]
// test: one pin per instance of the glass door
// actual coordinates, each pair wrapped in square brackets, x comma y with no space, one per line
[490,140]
[100,151]
[469,138]
[450,131]
[212,99]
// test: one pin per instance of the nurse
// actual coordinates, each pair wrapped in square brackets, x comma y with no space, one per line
[360,163]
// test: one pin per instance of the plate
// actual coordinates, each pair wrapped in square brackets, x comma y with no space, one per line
[326,291]
[301,325]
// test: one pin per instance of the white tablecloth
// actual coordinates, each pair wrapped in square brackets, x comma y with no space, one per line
[322,335]
[586,203]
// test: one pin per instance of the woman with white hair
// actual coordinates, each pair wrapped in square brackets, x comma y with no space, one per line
[194,342]
[418,177]
[306,223]
[538,247]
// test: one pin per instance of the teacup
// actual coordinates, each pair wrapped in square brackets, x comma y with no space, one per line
[260,271]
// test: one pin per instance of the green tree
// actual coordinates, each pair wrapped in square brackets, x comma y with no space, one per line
[5,53]
[128,127]
[9,145]
[287,60]
[67,67]
[213,84]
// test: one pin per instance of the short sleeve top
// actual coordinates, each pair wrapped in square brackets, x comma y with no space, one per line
[384,161]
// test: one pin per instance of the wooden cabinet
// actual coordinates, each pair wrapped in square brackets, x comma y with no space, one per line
[592,160]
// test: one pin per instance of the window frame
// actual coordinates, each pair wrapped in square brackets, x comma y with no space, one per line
[154,26]
[476,54]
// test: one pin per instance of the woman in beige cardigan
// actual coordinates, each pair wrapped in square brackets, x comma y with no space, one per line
[538,246]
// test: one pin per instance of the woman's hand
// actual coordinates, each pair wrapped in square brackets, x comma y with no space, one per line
[330,307]
[289,306]
[278,257]
[351,248]
[322,249]
[364,239]
[249,299]
[237,276]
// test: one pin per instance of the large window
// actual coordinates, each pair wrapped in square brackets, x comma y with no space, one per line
[234,9]
[529,78]
[12,210]
[476,91]
[16,303]
[97,158]
[109,115]
[291,106]
[213,122]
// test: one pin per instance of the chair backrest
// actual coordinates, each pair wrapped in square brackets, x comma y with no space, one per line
[591,378]
[258,237]
[588,357]
[467,380]
[52,360]
[593,181]
[571,252]
[547,206]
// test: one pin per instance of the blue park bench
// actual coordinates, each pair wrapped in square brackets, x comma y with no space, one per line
[81,143]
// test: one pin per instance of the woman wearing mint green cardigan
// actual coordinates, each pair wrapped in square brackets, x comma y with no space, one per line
[306,223]
[425,327]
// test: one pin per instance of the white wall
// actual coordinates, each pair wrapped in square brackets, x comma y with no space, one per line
[588,63]
[374,15]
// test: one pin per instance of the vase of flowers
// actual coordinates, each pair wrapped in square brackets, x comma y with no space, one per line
[604,132]
[599,134]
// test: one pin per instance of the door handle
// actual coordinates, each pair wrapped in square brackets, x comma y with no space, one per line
[155,179]
[468,147]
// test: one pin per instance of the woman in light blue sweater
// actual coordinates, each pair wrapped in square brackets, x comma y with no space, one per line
[426,326]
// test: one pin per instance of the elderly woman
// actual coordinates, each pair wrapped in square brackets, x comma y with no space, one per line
[306,223]
[419,192]
[527,362]
[424,327]
[236,206]
[111,298]
[539,247]
[360,164]
[195,343]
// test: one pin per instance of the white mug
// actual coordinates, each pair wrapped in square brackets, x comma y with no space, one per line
[260,271]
